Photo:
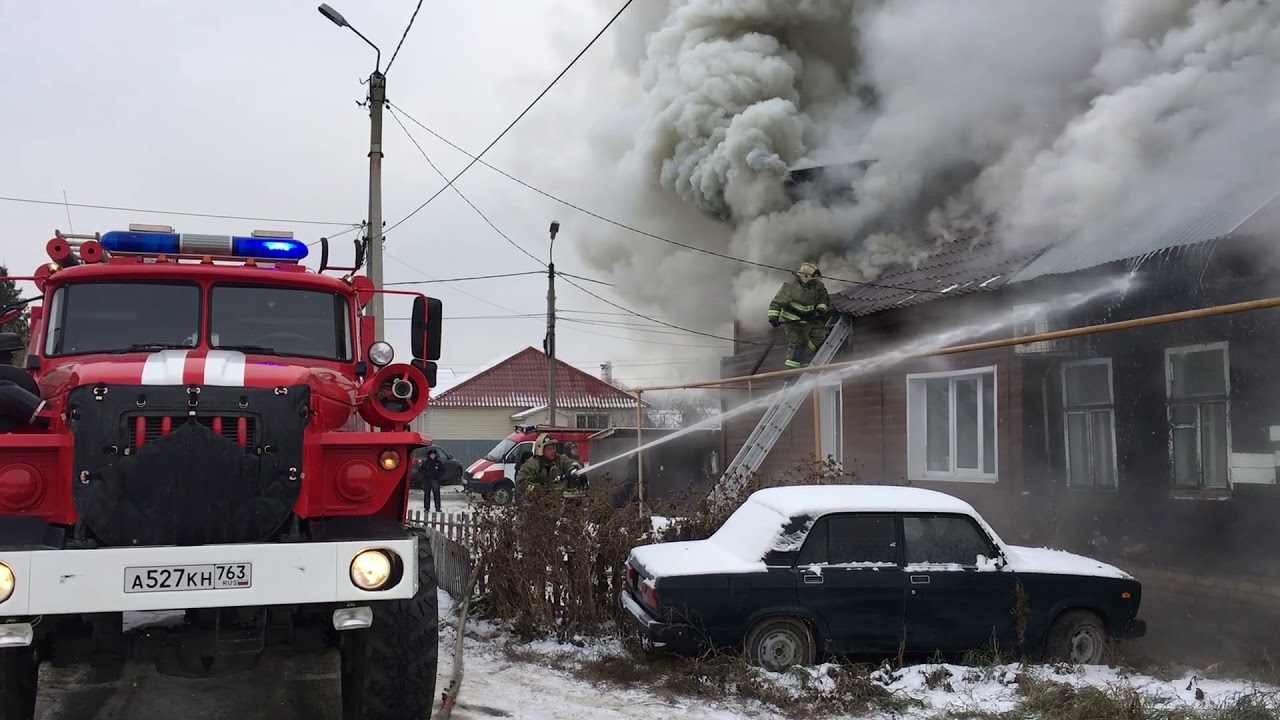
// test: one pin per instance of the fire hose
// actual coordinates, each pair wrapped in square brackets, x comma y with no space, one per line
[449,698]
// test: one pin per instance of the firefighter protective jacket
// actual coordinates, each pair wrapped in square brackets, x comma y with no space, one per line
[795,301]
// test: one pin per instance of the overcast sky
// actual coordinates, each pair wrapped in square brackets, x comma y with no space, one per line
[244,107]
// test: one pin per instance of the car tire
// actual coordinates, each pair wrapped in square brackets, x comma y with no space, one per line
[503,494]
[779,643]
[388,671]
[19,681]
[1078,637]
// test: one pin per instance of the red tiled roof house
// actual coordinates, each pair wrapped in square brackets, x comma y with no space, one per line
[484,408]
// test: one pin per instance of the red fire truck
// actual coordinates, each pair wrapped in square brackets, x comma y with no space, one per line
[200,423]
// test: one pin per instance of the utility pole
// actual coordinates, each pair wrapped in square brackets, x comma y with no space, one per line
[377,99]
[551,325]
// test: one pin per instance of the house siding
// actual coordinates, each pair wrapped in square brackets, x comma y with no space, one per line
[874,412]
[468,423]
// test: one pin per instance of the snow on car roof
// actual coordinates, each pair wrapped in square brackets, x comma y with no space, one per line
[797,500]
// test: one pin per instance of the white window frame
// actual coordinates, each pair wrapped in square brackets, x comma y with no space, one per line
[831,421]
[1067,409]
[578,420]
[917,433]
[1170,402]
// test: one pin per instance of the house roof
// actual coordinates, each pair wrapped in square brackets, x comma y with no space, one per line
[520,381]
[1154,224]
[971,264]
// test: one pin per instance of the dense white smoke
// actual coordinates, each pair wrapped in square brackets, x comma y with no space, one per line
[1050,115]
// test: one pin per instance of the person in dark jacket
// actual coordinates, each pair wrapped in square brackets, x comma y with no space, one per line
[431,471]
[801,305]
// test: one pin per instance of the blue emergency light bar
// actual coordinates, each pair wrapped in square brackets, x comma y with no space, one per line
[137,242]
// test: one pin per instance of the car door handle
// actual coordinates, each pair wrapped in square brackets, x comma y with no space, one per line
[919,579]
[812,579]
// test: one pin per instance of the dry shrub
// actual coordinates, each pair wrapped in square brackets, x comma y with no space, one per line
[553,566]
[1057,701]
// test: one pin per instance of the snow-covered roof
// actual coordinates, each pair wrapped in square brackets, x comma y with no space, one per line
[797,500]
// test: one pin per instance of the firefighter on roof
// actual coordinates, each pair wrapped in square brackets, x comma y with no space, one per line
[546,467]
[801,308]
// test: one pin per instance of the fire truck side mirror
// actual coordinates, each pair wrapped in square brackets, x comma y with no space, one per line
[427,326]
[428,369]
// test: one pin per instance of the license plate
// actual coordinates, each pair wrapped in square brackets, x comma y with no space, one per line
[172,578]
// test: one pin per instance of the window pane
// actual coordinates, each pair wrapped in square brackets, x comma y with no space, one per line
[1196,374]
[1104,468]
[1088,384]
[938,424]
[944,540]
[862,540]
[1213,439]
[306,323]
[814,551]
[1186,472]
[1184,415]
[1078,450]
[989,424]
[104,317]
[967,424]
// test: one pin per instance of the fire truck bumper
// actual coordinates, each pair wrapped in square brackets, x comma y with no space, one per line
[67,582]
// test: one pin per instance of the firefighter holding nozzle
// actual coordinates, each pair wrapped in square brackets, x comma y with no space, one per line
[547,468]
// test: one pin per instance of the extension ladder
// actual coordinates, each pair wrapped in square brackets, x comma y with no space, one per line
[783,408]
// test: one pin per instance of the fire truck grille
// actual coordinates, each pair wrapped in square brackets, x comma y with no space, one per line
[242,429]
[147,472]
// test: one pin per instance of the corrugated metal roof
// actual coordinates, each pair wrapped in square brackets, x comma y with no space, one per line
[520,381]
[1156,224]
[967,265]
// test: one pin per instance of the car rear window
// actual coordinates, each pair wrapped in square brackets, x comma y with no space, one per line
[851,540]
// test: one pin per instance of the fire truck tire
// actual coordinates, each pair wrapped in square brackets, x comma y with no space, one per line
[389,670]
[19,678]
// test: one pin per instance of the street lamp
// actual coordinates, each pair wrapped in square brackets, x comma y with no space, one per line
[377,98]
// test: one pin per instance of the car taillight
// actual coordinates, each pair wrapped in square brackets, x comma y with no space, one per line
[649,593]
[631,575]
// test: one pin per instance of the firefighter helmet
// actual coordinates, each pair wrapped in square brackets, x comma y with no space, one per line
[808,271]
[540,445]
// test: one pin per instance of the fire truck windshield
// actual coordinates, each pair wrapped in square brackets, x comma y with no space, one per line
[280,321]
[115,317]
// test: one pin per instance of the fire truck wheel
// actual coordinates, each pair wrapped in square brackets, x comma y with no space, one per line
[19,677]
[389,670]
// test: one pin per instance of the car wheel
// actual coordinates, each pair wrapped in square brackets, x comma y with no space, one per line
[1079,637]
[503,494]
[779,643]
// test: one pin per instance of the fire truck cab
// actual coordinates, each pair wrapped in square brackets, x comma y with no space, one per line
[200,423]
[493,477]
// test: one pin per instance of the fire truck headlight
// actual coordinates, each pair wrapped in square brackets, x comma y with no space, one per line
[371,569]
[381,353]
[7,582]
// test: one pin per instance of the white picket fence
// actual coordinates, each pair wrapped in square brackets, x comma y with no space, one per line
[451,537]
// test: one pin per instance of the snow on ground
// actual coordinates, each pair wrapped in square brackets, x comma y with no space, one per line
[495,685]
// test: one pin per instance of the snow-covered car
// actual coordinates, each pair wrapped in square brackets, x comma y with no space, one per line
[800,571]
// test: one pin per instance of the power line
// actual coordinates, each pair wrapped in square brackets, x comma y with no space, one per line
[519,117]
[654,320]
[460,279]
[351,229]
[464,292]
[638,231]
[414,140]
[402,37]
[220,216]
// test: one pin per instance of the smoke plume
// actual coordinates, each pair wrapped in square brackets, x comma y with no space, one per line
[931,117]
